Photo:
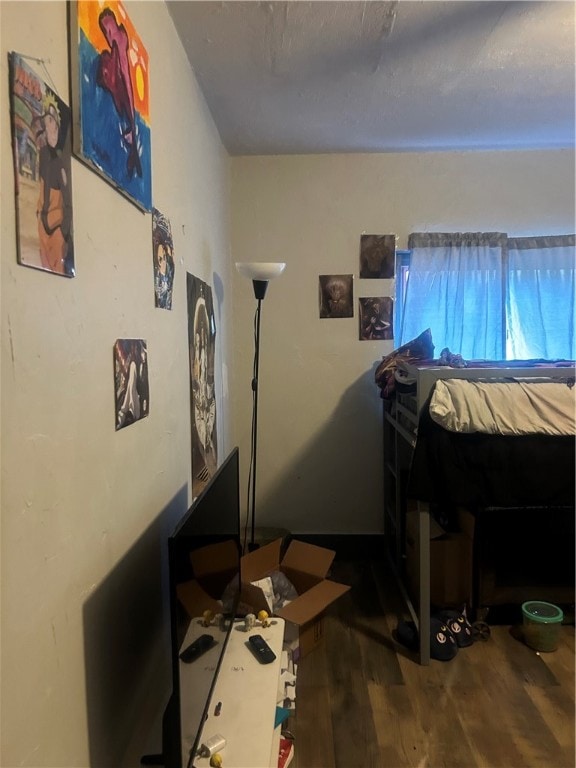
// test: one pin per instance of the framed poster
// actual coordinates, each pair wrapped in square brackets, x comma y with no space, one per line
[202,349]
[42,157]
[110,97]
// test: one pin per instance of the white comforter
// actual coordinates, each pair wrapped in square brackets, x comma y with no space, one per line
[505,408]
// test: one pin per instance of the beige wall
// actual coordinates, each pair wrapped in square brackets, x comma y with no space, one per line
[320,449]
[85,509]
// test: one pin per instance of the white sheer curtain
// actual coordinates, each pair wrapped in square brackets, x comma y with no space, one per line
[540,300]
[455,287]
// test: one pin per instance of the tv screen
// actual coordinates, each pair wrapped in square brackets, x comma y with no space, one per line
[204,572]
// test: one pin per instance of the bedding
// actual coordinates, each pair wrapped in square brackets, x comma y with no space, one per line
[483,451]
[520,407]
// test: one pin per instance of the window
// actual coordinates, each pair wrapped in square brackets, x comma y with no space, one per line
[487,296]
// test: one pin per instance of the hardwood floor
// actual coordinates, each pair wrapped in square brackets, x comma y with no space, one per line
[363,701]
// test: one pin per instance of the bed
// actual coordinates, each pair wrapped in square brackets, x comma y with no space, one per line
[495,438]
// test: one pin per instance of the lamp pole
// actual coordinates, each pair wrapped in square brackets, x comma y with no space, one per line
[260,273]
[252,545]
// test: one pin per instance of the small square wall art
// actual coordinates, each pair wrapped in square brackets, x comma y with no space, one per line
[335,296]
[131,386]
[377,256]
[376,317]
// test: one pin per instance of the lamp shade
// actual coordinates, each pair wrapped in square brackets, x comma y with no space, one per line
[260,270]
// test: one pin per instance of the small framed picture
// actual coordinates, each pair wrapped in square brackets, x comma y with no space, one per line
[131,388]
[377,256]
[376,319]
[335,296]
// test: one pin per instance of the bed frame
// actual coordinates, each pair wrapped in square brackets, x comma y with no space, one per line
[401,419]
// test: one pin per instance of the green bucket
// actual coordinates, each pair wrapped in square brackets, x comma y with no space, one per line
[542,622]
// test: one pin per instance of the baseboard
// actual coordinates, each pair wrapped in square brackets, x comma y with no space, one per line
[348,546]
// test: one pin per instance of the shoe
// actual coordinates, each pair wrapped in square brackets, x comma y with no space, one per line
[459,626]
[443,646]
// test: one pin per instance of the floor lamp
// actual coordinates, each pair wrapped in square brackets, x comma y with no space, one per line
[260,273]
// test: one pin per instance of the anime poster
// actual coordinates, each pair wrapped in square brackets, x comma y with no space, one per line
[110,88]
[202,350]
[335,295]
[163,260]
[376,319]
[377,256]
[131,388]
[41,151]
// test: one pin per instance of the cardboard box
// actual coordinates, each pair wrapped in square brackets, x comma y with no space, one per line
[450,563]
[214,567]
[305,566]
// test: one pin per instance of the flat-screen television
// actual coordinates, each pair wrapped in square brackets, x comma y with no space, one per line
[204,576]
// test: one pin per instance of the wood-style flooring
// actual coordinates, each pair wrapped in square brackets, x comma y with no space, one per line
[362,700]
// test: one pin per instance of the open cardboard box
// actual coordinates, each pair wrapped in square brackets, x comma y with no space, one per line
[214,567]
[305,566]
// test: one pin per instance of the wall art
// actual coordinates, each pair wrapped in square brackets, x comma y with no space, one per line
[163,259]
[202,352]
[376,318]
[41,124]
[377,256]
[335,296]
[110,97]
[131,387]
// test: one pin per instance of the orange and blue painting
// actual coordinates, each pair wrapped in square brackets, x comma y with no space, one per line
[111,98]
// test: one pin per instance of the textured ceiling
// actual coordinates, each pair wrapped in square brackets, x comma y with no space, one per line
[321,77]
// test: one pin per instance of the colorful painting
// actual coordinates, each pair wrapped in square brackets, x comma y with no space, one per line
[163,260]
[202,349]
[377,256]
[335,295]
[376,319]
[132,391]
[41,150]
[111,100]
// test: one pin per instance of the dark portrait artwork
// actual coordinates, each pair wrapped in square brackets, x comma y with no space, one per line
[132,390]
[335,296]
[163,260]
[376,319]
[202,351]
[377,256]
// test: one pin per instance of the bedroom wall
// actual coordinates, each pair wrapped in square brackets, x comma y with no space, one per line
[85,509]
[320,442]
